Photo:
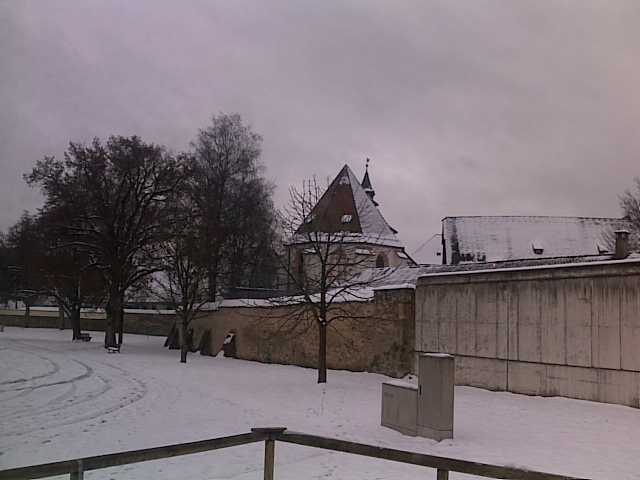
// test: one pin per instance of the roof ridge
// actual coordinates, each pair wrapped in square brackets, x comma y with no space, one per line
[534,216]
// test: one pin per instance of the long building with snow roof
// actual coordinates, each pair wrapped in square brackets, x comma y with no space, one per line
[480,239]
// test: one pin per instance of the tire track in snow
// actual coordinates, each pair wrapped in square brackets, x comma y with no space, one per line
[52,371]
[125,390]
[86,374]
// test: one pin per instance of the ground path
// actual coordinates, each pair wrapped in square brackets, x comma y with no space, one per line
[60,400]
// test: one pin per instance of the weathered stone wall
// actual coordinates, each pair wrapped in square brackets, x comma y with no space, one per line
[376,336]
[569,331]
[142,323]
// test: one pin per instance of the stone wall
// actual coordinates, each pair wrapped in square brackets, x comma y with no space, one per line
[569,331]
[374,336]
[142,323]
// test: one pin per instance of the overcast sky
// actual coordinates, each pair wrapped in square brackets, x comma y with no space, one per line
[465,107]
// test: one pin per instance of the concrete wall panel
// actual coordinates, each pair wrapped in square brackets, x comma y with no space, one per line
[481,372]
[427,329]
[552,324]
[577,293]
[512,307]
[447,320]
[527,378]
[486,321]
[503,302]
[466,320]
[529,328]
[630,325]
[605,328]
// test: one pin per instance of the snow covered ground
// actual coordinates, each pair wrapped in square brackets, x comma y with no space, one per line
[61,400]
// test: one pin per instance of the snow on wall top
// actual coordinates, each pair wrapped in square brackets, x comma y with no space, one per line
[494,239]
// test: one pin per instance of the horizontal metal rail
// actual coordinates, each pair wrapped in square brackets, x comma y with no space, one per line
[80,465]
[442,465]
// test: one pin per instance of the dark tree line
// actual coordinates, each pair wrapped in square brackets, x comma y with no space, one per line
[123,215]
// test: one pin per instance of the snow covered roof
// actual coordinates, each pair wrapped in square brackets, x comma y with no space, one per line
[522,265]
[346,198]
[430,251]
[494,239]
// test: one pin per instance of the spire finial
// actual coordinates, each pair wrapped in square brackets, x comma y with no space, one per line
[366,182]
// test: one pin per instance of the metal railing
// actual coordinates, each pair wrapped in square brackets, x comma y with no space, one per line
[443,465]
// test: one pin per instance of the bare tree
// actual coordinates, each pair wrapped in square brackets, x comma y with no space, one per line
[630,205]
[24,260]
[66,272]
[183,281]
[233,200]
[111,200]
[323,266]
[5,282]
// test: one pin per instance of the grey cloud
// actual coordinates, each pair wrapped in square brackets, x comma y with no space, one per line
[483,107]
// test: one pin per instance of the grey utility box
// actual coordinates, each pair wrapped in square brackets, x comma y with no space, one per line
[435,395]
[425,409]
[400,406]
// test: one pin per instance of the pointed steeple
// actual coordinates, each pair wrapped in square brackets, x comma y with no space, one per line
[366,184]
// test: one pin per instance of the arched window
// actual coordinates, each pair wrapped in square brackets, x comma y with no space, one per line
[381,260]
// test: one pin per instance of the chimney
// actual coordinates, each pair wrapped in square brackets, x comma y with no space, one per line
[622,244]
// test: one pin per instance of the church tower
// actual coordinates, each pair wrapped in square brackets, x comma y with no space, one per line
[348,208]
[366,184]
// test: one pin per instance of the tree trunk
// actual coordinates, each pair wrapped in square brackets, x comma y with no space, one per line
[121,324]
[75,322]
[213,280]
[183,342]
[114,310]
[322,352]
[60,317]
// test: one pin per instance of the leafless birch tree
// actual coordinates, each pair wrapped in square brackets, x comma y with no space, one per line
[323,267]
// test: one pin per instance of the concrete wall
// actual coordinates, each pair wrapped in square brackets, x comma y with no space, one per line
[570,331]
[142,323]
[376,336]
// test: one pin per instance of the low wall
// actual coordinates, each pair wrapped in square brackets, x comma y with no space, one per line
[375,336]
[141,323]
[569,331]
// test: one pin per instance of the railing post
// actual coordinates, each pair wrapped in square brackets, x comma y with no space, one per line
[269,448]
[269,458]
[79,473]
[442,474]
